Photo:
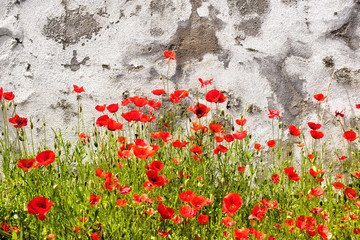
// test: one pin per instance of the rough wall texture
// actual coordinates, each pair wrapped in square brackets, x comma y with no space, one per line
[261,53]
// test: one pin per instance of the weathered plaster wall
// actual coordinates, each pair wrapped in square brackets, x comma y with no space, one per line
[263,53]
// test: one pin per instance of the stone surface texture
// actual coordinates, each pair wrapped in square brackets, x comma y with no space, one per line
[266,54]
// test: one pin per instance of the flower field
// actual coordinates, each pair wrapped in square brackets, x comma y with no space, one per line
[156,167]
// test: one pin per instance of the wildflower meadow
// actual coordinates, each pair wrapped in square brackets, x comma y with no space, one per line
[157,167]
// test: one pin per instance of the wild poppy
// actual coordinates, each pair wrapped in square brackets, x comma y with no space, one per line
[341,114]
[187,196]
[228,221]
[350,193]
[155,165]
[8,96]
[177,219]
[240,135]
[317,134]
[94,200]
[134,115]
[317,192]
[242,233]
[356,105]
[274,113]
[271,143]
[177,95]
[316,172]
[215,96]
[203,219]
[196,149]
[78,89]
[206,82]
[155,179]
[220,148]
[113,125]
[39,205]
[44,158]
[51,236]
[294,131]
[158,92]
[113,107]
[1,93]
[338,185]
[231,203]
[323,231]
[102,121]
[216,127]
[200,110]
[229,137]
[139,101]
[350,136]
[258,213]
[84,137]
[18,121]
[187,211]
[314,126]
[320,97]
[176,160]
[257,146]
[121,202]
[342,158]
[165,212]
[164,234]
[241,122]
[125,190]
[26,164]
[241,169]
[275,178]
[170,55]
[199,202]
[179,144]
[153,105]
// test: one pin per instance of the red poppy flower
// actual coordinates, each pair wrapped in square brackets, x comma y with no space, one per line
[39,205]
[113,125]
[170,55]
[274,113]
[257,146]
[121,202]
[241,169]
[240,135]
[155,165]
[8,95]
[113,107]
[26,164]
[165,212]
[177,219]
[338,185]
[228,221]
[139,101]
[200,110]
[220,148]
[294,131]
[78,89]
[94,200]
[323,231]
[356,231]
[179,144]
[125,190]
[196,149]
[342,158]
[271,143]
[206,82]
[320,97]
[216,127]
[111,181]
[187,196]
[102,121]
[229,137]
[215,96]
[51,236]
[240,122]
[153,105]
[231,203]
[317,192]
[163,234]
[177,95]
[155,179]
[350,193]
[198,202]
[314,126]
[1,93]
[18,121]
[317,134]
[187,212]
[341,114]
[356,105]
[350,136]
[158,92]
[45,158]
[134,115]
[290,222]
[316,172]
[258,213]
[203,219]
[242,233]
[275,178]
[294,176]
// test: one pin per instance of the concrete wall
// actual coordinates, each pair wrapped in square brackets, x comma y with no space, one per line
[261,53]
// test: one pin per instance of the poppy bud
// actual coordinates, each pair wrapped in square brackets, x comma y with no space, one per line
[161,77]
[21,138]
[2,106]
[31,125]
[81,108]
[55,145]
[95,144]
[222,181]
[55,186]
